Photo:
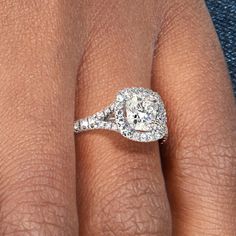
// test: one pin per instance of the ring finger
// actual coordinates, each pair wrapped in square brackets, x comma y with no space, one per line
[120,183]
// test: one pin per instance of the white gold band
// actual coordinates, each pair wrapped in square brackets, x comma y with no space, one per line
[99,120]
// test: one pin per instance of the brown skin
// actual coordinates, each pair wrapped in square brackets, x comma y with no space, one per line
[68,60]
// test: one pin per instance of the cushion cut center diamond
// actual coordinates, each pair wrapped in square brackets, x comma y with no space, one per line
[142,112]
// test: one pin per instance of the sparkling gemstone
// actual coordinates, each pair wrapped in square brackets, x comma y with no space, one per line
[143,137]
[100,115]
[76,126]
[84,124]
[142,112]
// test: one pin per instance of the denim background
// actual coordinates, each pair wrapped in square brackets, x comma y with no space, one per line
[223,14]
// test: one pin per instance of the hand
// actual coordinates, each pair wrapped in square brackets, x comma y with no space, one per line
[103,184]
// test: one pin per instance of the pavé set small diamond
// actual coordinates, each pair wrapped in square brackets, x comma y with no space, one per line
[137,113]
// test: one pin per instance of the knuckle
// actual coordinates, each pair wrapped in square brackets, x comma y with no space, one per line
[206,175]
[134,205]
[34,210]
[207,142]
[213,151]
[34,197]
[207,158]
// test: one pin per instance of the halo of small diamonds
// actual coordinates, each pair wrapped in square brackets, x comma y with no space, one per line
[140,115]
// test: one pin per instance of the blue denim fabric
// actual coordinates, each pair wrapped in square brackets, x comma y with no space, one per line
[223,13]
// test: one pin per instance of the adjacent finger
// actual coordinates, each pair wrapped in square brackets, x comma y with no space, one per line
[199,159]
[38,67]
[120,184]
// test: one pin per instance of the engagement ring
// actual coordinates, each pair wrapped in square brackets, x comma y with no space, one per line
[137,113]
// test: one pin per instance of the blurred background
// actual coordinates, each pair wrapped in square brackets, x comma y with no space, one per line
[223,13]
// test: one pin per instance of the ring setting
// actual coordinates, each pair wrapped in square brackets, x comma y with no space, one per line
[137,114]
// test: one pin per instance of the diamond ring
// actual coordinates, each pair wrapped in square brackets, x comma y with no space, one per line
[137,114]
